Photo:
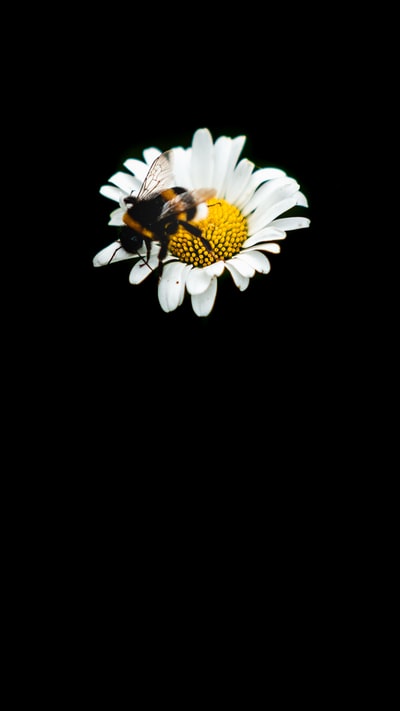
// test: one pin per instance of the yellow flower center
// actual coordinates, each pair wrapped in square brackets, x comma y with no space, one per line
[224,228]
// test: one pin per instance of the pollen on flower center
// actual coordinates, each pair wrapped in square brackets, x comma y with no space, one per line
[225,229]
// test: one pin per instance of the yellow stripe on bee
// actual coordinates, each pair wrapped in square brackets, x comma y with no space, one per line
[171,194]
[168,194]
[134,225]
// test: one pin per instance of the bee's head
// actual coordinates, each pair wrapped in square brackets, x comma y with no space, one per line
[130,239]
[130,200]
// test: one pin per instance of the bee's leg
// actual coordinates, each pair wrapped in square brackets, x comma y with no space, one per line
[197,233]
[147,242]
[148,249]
[190,228]
[163,250]
[168,228]
[205,243]
[162,253]
[114,253]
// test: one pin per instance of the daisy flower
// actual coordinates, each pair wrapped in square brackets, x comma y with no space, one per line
[239,225]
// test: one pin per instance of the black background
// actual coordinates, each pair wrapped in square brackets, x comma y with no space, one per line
[270,347]
[270,356]
[282,312]
[286,299]
[279,318]
[207,448]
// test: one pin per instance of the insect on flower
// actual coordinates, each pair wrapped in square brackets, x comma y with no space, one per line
[159,208]
[229,216]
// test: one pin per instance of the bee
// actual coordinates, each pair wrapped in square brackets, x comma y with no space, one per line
[159,208]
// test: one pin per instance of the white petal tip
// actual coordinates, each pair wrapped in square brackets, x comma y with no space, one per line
[102,258]
[302,200]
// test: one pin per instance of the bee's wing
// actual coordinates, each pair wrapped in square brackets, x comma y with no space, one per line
[159,177]
[186,201]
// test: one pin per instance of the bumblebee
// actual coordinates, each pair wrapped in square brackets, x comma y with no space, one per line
[159,208]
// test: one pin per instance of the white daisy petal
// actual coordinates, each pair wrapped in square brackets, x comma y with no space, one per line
[268,233]
[124,181]
[222,151]
[235,151]
[116,217]
[261,217]
[291,223]
[239,280]
[181,168]
[112,253]
[257,260]
[109,191]
[198,280]
[264,174]
[150,154]
[202,162]
[259,177]
[171,287]
[143,268]
[242,266]
[268,247]
[217,268]
[137,167]
[270,193]
[203,303]
[302,200]
[239,180]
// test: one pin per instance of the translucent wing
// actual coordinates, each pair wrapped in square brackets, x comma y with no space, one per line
[185,201]
[159,177]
